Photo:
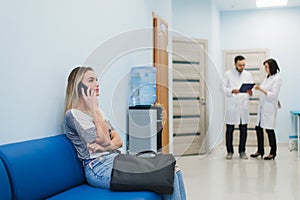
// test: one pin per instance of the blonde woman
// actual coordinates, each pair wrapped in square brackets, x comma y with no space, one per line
[95,140]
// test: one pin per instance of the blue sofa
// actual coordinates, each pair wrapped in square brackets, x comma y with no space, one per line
[48,168]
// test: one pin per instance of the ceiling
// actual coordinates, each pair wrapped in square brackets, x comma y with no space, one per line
[230,5]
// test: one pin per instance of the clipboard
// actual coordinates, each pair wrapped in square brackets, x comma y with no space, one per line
[246,86]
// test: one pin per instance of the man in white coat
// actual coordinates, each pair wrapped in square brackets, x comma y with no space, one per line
[237,103]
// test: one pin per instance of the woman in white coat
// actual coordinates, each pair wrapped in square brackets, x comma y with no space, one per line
[267,109]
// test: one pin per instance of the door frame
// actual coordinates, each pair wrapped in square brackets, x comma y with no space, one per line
[161,62]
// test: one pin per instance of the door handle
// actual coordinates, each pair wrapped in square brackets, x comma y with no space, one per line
[202,101]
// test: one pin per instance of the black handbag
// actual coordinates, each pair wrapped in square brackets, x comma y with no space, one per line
[140,172]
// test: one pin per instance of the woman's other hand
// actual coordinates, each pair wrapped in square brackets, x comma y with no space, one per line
[94,147]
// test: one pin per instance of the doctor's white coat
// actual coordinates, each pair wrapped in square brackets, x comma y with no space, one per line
[237,105]
[268,104]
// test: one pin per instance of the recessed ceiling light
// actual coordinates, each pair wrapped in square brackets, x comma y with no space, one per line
[270,3]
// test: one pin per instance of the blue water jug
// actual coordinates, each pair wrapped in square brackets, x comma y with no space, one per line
[143,86]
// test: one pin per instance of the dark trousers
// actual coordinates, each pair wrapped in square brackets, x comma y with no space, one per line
[260,140]
[229,137]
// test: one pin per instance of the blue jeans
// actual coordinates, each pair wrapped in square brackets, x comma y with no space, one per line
[98,171]
[179,189]
[98,174]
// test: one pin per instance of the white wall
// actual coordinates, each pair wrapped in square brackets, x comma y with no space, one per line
[278,30]
[41,41]
[215,73]
[192,18]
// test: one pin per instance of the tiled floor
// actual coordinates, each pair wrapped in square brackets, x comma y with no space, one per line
[215,178]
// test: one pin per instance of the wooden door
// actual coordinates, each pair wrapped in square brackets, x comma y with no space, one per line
[160,60]
[254,64]
[189,97]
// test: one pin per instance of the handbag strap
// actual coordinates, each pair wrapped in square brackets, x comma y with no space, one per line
[146,152]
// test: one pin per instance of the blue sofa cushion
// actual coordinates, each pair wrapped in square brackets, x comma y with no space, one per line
[41,168]
[91,193]
[5,192]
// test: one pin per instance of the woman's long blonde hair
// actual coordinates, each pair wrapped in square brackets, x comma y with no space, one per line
[72,95]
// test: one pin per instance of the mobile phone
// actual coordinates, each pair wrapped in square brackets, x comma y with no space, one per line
[81,85]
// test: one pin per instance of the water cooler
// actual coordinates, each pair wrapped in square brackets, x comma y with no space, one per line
[145,129]
[145,119]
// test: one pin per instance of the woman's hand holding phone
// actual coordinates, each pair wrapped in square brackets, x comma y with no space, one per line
[89,97]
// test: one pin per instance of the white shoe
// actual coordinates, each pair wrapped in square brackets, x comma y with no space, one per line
[229,156]
[243,155]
